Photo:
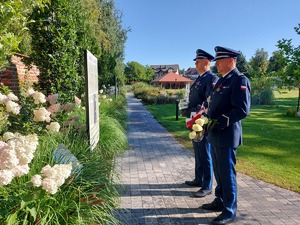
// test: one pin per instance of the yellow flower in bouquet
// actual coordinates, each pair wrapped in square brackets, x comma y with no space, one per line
[200,122]
[192,135]
[197,127]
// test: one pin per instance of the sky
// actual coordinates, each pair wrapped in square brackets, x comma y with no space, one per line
[165,32]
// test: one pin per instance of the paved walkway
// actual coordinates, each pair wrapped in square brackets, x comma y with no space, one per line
[153,172]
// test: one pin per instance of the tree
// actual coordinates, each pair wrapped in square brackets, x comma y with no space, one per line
[243,65]
[259,63]
[13,25]
[276,62]
[291,76]
[112,40]
[134,71]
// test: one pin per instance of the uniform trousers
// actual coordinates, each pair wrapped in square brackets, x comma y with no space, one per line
[203,163]
[224,160]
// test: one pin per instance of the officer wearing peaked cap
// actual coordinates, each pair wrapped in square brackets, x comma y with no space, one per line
[229,103]
[199,92]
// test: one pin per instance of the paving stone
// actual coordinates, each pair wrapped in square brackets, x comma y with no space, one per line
[151,175]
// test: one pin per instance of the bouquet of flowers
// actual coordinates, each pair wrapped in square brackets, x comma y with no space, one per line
[199,125]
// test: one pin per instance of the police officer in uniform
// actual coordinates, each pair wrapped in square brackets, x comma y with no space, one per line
[228,104]
[199,92]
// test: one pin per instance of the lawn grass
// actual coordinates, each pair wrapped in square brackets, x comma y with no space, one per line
[271,150]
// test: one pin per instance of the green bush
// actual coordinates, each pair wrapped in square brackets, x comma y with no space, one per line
[155,95]
[261,91]
[264,97]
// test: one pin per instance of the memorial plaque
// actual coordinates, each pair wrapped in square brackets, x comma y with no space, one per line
[92,102]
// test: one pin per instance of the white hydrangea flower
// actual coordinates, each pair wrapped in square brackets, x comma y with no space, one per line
[20,170]
[7,136]
[39,97]
[46,171]
[36,180]
[41,115]
[12,96]
[6,177]
[12,107]
[8,158]
[53,127]
[57,174]
[49,185]
[3,99]
[29,92]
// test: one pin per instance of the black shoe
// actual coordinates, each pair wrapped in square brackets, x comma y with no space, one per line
[216,205]
[193,183]
[201,193]
[221,220]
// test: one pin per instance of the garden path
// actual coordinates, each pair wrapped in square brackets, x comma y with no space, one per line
[153,172]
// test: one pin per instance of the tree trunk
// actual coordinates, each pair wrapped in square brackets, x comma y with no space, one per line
[298,99]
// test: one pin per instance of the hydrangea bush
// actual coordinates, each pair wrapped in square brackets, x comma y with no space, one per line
[35,188]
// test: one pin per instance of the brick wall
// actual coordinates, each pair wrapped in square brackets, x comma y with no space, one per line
[17,72]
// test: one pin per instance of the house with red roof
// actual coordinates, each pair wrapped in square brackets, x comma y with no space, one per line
[172,81]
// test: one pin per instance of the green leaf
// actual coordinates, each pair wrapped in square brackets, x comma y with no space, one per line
[33,212]
[12,219]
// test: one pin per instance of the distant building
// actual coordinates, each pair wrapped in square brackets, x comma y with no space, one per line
[172,81]
[191,73]
[161,70]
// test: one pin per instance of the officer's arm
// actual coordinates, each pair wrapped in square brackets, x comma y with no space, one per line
[240,100]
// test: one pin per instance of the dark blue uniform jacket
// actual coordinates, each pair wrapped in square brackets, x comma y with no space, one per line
[229,103]
[200,90]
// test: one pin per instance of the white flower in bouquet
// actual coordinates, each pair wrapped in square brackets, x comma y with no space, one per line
[6,177]
[36,180]
[104,96]
[49,185]
[39,97]
[12,96]
[52,99]
[3,99]
[12,107]
[7,136]
[197,127]
[53,127]
[29,92]
[205,119]
[20,170]
[192,134]
[101,91]
[200,121]
[41,115]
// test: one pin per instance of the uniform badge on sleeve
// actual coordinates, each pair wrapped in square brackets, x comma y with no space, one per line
[243,88]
